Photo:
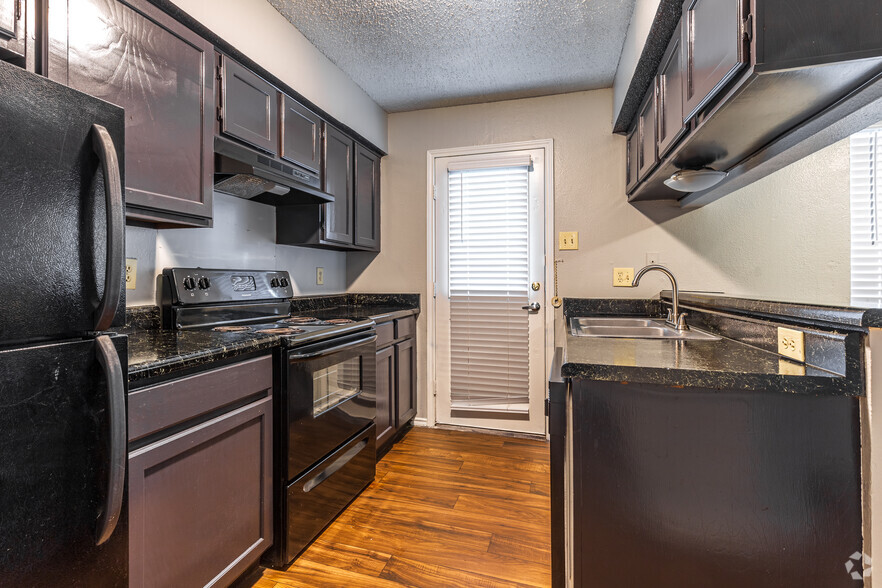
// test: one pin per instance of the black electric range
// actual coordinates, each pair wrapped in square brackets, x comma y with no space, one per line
[324,390]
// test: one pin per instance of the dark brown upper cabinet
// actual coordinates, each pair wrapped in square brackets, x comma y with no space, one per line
[300,134]
[631,150]
[715,48]
[760,79]
[248,106]
[338,150]
[670,96]
[13,40]
[647,131]
[367,199]
[137,57]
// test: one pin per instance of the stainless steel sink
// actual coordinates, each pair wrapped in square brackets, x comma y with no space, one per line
[633,328]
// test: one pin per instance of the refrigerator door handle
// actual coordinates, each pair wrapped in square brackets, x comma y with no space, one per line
[103,145]
[116,405]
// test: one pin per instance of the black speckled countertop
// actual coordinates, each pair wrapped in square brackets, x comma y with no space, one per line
[741,360]
[155,353]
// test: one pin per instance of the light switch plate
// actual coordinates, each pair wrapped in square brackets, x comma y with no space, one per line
[623,277]
[320,276]
[791,343]
[131,272]
[568,240]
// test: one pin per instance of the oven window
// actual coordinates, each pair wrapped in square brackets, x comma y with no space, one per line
[335,384]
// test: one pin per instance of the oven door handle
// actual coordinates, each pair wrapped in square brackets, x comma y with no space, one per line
[335,349]
[335,467]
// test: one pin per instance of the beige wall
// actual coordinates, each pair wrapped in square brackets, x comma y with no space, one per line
[257,29]
[783,237]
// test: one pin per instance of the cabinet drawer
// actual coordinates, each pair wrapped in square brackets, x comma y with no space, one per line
[404,327]
[158,407]
[385,334]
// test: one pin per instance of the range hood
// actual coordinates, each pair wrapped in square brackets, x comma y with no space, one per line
[246,173]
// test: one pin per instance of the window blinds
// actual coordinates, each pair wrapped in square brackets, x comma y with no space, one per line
[866,247]
[488,266]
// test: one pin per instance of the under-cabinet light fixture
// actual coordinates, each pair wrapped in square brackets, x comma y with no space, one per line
[695,180]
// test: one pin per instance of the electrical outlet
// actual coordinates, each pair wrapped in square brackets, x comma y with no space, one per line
[623,276]
[791,343]
[568,240]
[131,272]
[319,276]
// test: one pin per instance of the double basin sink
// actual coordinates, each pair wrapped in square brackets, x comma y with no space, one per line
[633,328]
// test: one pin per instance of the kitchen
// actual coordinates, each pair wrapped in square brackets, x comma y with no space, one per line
[781,234]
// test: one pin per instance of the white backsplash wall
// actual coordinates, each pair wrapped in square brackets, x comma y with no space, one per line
[243,237]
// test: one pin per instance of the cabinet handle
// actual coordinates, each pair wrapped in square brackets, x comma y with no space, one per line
[103,145]
[116,411]
[335,467]
[17,9]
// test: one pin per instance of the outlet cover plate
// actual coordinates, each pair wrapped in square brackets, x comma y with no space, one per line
[623,277]
[791,343]
[568,240]
[131,272]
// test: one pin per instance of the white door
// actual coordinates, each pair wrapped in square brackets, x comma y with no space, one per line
[489,279]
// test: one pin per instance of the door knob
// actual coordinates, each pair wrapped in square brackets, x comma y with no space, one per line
[534,307]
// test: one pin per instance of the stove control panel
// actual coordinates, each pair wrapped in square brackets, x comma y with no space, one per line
[185,286]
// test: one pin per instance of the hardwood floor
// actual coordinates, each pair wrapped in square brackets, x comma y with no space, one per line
[447,509]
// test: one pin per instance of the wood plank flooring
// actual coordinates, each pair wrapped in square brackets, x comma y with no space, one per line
[447,509]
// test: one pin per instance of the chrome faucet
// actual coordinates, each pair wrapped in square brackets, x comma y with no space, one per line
[674,318]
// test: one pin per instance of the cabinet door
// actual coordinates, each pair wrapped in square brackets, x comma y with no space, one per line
[670,96]
[367,199]
[301,132]
[338,151]
[133,55]
[631,154]
[405,373]
[12,27]
[647,130]
[385,395]
[713,47]
[201,502]
[249,107]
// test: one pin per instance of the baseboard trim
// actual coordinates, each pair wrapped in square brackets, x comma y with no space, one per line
[420,422]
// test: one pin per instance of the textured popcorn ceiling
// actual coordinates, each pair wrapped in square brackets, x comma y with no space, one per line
[414,54]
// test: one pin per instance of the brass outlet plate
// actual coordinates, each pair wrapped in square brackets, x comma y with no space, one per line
[623,277]
[131,273]
[791,343]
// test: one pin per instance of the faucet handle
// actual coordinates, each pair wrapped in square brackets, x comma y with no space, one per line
[670,316]
[681,322]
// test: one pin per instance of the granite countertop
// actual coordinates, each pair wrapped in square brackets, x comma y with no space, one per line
[155,353]
[725,364]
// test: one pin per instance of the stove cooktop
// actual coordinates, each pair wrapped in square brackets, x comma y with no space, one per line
[299,330]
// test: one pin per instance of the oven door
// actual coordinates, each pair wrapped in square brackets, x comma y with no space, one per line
[330,392]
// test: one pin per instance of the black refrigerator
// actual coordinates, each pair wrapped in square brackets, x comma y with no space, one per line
[62,369]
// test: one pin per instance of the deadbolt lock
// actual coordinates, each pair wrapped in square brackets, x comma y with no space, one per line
[535,286]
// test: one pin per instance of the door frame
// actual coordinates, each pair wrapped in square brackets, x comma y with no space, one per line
[548,314]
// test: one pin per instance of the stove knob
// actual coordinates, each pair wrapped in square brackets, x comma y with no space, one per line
[189,283]
[275,283]
[283,282]
[204,283]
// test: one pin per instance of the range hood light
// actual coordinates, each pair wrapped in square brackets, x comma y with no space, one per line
[695,180]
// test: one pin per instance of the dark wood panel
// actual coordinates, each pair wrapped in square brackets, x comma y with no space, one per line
[300,134]
[660,471]
[647,132]
[161,73]
[200,502]
[670,96]
[385,395]
[367,199]
[405,327]
[422,525]
[632,149]
[405,381]
[249,107]
[385,334]
[713,48]
[164,405]
[338,164]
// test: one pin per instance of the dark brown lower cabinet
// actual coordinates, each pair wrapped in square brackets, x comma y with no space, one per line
[200,502]
[396,379]
[710,487]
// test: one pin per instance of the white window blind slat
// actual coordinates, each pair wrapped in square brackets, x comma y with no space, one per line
[866,246]
[488,276]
